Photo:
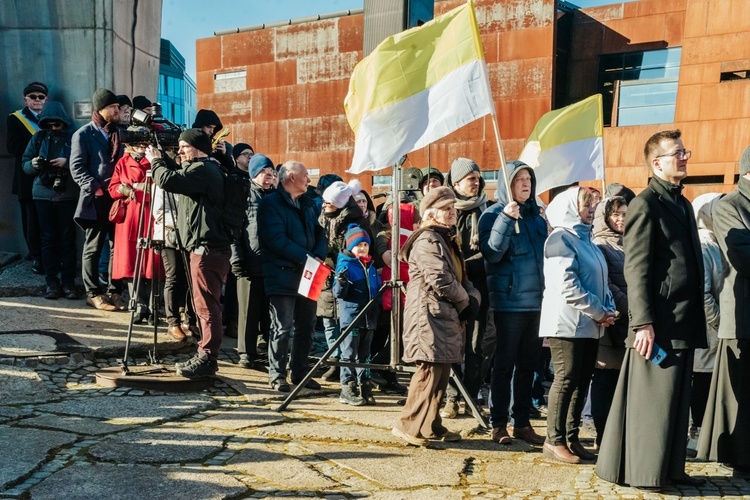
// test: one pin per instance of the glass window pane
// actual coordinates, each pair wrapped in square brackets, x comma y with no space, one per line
[648,94]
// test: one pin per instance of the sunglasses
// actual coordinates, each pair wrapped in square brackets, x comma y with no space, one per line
[37,97]
[55,124]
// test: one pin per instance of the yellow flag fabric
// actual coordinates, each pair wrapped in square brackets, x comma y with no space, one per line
[394,92]
[566,145]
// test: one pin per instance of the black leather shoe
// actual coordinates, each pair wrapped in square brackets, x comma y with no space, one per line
[311,384]
[280,385]
[37,267]
[686,480]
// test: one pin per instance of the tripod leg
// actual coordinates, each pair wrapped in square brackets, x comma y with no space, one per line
[469,400]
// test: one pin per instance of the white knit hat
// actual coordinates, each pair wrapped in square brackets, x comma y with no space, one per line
[338,193]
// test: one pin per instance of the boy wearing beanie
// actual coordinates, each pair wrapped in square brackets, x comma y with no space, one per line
[355,284]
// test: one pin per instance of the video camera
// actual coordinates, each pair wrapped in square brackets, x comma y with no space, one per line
[151,129]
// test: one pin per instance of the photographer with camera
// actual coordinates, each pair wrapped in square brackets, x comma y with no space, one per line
[208,121]
[55,196]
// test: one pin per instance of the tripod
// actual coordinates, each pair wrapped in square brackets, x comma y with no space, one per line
[395,286]
[146,244]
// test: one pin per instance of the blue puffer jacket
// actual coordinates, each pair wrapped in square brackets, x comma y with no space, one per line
[514,262]
[289,232]
[362,284]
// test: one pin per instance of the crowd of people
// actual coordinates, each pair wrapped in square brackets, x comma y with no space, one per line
[635,301]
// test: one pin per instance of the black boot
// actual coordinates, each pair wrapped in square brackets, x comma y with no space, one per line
[365,391]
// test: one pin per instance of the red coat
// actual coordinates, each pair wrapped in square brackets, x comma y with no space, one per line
[128,171]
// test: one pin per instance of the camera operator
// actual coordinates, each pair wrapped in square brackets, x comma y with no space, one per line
[200,184]
[95,150]
[208,121]
[55,196]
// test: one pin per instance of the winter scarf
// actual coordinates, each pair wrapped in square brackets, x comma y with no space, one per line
[114,137]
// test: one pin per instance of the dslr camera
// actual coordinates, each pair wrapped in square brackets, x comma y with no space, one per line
[51,175]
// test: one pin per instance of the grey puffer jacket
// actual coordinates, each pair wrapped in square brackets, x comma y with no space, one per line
[612,344]
[51,144]
[438,291]
[576,296]
[714,268]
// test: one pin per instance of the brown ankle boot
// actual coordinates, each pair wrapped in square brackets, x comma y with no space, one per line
[560,452]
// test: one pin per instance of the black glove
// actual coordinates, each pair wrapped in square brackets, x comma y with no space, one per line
[343,276]
[470,312]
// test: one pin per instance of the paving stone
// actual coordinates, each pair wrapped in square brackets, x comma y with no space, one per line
[165,444]
[394,467]
[242,418]
[70,423]
[21,385]
[272,466]
[30,448]
[142,409]
[10,412]
[321,430]
[108,481]
[420,494]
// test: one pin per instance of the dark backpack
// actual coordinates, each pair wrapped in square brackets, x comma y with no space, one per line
[236,192]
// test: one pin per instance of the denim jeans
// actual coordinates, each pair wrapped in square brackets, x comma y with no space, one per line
[355,348]
[291,316]
[517,353]
[332,331]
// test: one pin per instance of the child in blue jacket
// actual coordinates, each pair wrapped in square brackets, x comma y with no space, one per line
[355,284]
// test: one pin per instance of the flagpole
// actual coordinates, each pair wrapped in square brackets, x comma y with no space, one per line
[502,158]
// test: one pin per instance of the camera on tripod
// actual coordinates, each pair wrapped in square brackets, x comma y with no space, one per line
[151,129]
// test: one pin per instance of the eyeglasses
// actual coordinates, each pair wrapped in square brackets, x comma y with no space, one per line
[247,154]
[37,97]
[680,154]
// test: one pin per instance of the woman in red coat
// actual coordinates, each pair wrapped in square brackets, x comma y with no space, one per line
[129,183]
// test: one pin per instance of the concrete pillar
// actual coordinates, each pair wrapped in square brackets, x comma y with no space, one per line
[73,47]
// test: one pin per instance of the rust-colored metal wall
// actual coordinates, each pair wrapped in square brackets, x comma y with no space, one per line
[291,106]
[714,116]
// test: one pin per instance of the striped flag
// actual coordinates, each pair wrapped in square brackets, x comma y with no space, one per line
[566,145]
[417,87]
[313,278]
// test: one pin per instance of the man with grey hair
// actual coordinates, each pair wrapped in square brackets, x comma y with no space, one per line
[289,234]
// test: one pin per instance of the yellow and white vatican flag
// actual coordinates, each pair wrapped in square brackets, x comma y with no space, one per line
[566,145]
[417,87]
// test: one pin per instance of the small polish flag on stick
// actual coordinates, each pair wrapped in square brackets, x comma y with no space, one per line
[313,278]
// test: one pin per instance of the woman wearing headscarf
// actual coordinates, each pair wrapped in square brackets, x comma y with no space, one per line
[609,226]
[576,306]
[439,300]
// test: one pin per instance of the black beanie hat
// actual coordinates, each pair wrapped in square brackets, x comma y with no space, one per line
[35,87]
[198,139]
[141,102]
[124,100]
[239,148]
[103,98]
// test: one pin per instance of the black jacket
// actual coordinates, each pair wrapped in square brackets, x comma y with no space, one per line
[17,139]
[200,184]
[246,261]
[732,229]
[664,267]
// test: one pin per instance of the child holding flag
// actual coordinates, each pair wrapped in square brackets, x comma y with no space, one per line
[355,284]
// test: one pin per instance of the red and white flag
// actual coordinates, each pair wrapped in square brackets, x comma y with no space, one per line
[313,278]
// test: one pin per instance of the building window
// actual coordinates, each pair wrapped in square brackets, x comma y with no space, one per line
[230,82]
[639,88]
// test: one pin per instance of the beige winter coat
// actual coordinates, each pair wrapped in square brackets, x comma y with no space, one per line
[434,298]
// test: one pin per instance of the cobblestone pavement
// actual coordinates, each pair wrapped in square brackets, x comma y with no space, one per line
[64,436]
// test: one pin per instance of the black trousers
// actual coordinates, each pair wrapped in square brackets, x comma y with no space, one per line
[30,226]
[58,234]
[574,360]
[175,285]
[94,240]
[254,315]
[472,373]
[517,354]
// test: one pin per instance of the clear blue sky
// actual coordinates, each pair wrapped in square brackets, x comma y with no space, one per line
[185,21]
